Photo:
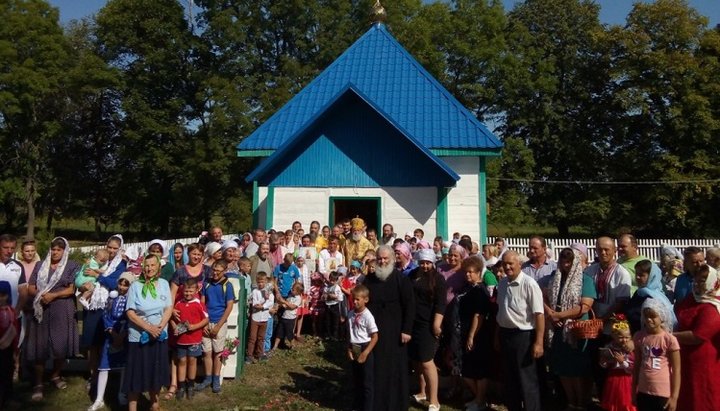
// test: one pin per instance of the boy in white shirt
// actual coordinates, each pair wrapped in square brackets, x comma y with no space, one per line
[363,337]
[332,295]
[261,302]
[286,329]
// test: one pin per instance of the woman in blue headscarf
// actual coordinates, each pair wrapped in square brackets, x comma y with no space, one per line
[649,280]
[177,257]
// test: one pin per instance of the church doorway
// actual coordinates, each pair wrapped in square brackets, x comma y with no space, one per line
[367,208]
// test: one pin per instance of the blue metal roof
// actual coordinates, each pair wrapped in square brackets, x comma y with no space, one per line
[352,143]
[388,76]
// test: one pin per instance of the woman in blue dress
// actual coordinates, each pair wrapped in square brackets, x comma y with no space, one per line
[114,352]
[149,308]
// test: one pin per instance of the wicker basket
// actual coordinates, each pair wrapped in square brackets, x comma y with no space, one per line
[586,329]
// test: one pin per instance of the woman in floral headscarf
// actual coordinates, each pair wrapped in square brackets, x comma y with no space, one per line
[569,296]
[53,331]
[699,337]
[149,307]
[671,263]
[455,282]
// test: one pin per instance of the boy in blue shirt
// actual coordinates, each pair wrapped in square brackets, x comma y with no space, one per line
[285,275]
[219,297]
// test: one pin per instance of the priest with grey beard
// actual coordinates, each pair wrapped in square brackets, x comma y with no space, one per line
[392,303]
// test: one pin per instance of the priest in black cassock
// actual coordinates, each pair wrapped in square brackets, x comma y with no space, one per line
[392,303]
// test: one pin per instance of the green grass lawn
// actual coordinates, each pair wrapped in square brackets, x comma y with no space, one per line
[310,377]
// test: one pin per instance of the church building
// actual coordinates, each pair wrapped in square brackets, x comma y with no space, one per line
[376,136]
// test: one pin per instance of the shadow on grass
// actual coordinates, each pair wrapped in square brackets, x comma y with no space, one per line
[335,352]
[71,397]
[325,387]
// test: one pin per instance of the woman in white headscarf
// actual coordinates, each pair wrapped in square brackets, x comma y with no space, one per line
[699,337]
[52,333]
[93,332]
[671,264]
[568,297]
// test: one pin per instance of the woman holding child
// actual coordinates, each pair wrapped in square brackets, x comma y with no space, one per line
[52,333]
[93,330]
[149,307]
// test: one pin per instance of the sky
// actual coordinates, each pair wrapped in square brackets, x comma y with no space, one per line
[611,12]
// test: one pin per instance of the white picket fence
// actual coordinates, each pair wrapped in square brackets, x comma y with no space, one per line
[649,247]
[136,249]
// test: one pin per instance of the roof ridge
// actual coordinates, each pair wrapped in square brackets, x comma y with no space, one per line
[438,86]
[438,120]
[317,79]
[300,133]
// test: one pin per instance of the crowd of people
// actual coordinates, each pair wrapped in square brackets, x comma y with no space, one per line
[633,333]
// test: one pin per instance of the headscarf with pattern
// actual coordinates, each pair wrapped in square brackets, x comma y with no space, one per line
[712,290]
[570,296]
[46,281]
[100,294]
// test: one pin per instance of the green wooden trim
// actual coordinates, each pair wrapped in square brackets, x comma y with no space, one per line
[242,331]
[255,153]
[482,198]
[470,152]
[255,205]
[447,152]
[441,213]
[331,210]
[269,207]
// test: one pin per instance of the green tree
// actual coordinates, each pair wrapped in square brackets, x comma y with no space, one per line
[34,57]
[150,42]
[475,49]
[90,132]
[667,80]
[553,95]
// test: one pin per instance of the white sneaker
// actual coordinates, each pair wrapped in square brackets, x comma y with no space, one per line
[96,406]
[433,407]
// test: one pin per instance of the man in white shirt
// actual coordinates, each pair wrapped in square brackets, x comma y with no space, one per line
[521,329]
[612,281]
[259,237]
[330,258]
[12,271]
[216,235]
[388,235]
